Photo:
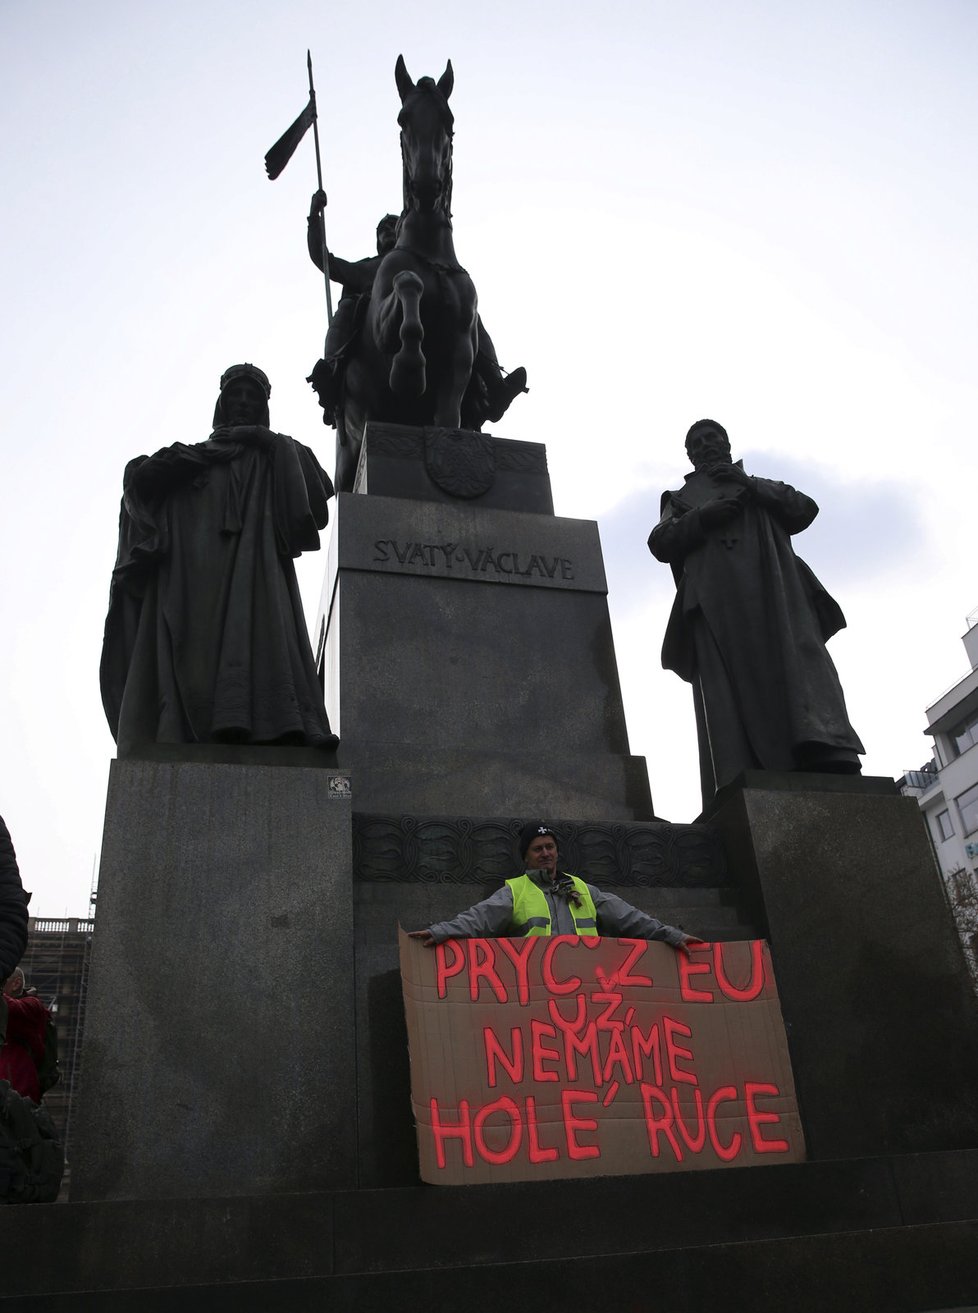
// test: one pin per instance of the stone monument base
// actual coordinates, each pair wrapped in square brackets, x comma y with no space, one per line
[412,779]
[882,1022]
[245,1095]
[868,1236]
[218,1053]
[464,638]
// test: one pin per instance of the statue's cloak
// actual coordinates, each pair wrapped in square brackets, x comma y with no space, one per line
[205,639]
[748,629]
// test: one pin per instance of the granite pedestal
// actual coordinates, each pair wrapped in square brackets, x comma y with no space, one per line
[882,1022]
[468,659]
[446,465]
[218,1054]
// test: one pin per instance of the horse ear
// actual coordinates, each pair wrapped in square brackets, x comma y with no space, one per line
[403,79]
[446,81]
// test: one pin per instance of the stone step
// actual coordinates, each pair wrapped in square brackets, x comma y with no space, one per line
[876,1271]
[870,1235]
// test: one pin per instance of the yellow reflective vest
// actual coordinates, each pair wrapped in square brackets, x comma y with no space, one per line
[531,912]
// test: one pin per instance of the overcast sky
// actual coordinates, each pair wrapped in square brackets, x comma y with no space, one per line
[761,212]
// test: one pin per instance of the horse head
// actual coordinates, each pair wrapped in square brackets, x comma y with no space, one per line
[426,124]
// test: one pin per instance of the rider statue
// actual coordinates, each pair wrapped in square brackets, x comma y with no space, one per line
[490,392]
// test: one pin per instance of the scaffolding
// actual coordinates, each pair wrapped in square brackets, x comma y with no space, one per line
[56,964]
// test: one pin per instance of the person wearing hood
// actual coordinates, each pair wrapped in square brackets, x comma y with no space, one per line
[545,901]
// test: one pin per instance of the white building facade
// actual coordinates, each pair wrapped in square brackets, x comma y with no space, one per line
[946,789]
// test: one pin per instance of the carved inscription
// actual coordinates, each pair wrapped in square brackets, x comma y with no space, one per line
[472,560]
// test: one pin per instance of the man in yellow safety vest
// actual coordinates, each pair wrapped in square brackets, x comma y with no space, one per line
[545,901]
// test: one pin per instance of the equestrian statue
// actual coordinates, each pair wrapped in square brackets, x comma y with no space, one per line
[407,345]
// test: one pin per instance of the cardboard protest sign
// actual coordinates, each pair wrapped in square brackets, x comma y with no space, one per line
[555,1057]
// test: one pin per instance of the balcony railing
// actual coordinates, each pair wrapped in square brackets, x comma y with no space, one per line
[71,925]
[920,779]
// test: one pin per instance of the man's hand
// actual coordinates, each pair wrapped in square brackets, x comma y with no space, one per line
[317,204]
[728,473]
[690,941]
[426,937]
[718,512]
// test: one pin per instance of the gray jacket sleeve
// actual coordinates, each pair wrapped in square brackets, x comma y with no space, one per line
[616,917]
[490,919]
[13,908]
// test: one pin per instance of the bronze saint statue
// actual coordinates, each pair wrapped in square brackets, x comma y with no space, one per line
[750,621]
[205,639]
[410,347]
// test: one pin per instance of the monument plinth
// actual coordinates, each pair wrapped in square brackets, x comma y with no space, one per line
[882,1021]
[467,651]
[212,1064]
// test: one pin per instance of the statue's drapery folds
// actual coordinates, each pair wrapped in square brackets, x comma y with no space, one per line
[205,639]
[749,626]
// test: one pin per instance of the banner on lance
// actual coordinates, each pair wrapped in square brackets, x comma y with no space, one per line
[557,1057]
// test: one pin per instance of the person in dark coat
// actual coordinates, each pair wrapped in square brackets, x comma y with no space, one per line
[750,622]
[205,639]
[13,907]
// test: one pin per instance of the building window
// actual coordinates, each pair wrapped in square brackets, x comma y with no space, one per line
[944,827]
[964,735]
[968,807]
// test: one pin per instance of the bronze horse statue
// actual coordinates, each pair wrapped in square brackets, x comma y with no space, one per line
[418,353]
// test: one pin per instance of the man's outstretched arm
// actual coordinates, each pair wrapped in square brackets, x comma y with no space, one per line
[490,919]
[616,917]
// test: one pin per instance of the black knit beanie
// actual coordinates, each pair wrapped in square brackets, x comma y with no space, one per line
[533,831]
